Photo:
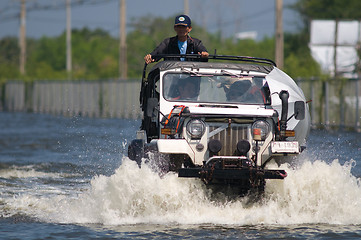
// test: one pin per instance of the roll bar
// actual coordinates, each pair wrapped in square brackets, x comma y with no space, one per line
[198,57]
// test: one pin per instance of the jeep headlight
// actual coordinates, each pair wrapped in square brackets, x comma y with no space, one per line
[196,128]
[260,130]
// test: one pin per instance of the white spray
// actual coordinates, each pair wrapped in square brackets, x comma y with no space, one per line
[314,192]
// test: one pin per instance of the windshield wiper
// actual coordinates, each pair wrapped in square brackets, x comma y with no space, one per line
[231,74]
[190,72]
[196,73]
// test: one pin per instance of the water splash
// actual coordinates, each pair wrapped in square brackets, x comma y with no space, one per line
[313,192]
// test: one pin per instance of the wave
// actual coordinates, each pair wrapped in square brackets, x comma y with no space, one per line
[29,171]
[313,192]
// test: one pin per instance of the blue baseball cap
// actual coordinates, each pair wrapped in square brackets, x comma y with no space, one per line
[182,20]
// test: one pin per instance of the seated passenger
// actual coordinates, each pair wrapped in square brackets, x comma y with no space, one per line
[188,89]
[243,91]
[237,91]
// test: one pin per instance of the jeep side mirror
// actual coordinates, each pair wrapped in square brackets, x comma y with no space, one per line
[152,103]
[299,110]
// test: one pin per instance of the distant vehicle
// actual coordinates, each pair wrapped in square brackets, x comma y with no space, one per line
[221,121]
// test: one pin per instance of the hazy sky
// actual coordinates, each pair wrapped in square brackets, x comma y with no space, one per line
[231,16]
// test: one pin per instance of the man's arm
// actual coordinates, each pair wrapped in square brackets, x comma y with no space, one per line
[160,49]
[204,54]
[201,49]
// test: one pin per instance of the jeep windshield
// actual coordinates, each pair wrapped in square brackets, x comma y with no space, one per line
[180,87]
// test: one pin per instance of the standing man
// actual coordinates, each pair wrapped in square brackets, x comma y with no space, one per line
[180,44]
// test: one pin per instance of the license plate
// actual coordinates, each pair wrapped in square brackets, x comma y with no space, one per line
[285,147]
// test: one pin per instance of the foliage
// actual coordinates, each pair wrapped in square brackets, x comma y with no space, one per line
[95,53]
[9,58]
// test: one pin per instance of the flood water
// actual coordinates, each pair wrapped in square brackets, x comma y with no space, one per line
[70,178]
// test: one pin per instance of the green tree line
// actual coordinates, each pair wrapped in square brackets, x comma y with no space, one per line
[95,53]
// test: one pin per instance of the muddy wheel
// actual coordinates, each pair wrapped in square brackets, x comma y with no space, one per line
[136,150]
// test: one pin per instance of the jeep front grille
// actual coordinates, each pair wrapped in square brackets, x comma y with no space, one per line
[230,136]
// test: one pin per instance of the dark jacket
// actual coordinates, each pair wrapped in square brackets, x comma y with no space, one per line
[170,46]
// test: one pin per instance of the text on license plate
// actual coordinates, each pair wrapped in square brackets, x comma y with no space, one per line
[285,147]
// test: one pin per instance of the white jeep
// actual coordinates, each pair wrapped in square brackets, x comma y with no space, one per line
[221,121]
